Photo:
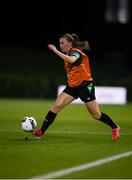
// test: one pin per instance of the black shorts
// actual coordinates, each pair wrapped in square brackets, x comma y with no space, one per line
[86,91]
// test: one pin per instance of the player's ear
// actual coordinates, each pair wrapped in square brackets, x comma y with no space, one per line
[70,43]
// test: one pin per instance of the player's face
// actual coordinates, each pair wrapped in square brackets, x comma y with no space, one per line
[65,45]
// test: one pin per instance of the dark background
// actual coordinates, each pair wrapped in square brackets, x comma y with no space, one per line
[28,69]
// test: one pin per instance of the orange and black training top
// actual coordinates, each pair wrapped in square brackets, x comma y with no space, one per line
[78,71]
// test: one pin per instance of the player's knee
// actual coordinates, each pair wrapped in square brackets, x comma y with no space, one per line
[57,107]
[96,115]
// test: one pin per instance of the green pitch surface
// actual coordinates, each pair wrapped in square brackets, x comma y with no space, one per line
[73,139]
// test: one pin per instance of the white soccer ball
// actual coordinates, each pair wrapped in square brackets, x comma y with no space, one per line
[28,124]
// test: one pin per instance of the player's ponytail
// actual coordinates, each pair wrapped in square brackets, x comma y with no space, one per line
[84,45]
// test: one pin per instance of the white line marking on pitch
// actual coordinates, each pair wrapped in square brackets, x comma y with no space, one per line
[83,166]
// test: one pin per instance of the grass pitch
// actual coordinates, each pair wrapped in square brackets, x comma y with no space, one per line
[74,138]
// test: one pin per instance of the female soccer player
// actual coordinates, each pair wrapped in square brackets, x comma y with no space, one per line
[79,84]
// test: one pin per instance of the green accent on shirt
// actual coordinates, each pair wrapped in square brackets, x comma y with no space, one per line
[90,86]
[75,53]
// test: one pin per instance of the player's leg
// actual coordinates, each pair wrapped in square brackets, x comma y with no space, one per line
[62,100]
[87,94]
[93,108]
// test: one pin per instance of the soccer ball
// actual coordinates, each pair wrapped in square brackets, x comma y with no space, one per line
[28,124]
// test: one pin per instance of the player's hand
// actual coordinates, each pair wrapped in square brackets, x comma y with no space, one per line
[52,47]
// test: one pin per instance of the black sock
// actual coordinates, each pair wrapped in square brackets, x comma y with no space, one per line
[48,121]
[106,119]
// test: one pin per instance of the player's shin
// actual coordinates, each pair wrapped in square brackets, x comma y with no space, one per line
[48,121]
[107,120]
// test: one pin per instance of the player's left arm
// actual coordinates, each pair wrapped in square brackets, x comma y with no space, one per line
[70,59]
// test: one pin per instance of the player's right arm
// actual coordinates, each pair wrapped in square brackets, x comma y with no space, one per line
[70,59]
